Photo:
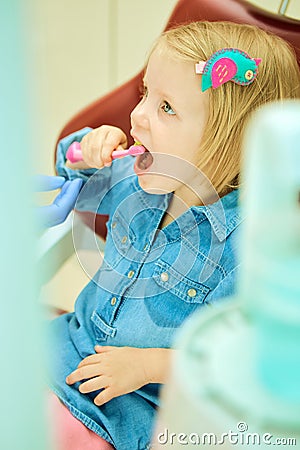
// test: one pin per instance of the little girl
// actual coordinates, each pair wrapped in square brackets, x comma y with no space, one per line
[173,224]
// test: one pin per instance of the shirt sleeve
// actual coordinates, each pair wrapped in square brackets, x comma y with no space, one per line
[225,289]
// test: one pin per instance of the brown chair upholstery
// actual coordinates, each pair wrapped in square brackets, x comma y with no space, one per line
[103,110]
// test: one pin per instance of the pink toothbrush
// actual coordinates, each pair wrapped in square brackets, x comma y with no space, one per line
[74,153]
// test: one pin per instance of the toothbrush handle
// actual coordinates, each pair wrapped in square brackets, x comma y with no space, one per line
[74,153]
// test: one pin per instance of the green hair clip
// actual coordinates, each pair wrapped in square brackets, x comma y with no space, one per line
[228,64]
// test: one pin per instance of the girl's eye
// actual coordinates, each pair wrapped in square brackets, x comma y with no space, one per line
[166,107]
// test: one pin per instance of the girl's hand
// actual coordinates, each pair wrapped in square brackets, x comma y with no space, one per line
[97,147]
[119,370]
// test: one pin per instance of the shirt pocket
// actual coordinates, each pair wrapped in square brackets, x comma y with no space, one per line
[102,330]
[184,288]
[120,237]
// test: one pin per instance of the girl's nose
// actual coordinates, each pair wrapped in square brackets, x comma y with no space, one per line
[139,117]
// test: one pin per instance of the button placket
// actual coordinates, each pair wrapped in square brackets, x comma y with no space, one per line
[124,239]
[146,247]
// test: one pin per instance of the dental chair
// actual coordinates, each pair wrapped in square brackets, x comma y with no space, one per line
[58,242]
[103,110]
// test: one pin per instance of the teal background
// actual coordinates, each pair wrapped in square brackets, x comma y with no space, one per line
[21,348]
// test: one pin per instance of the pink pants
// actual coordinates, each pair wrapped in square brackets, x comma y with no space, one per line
[68,433]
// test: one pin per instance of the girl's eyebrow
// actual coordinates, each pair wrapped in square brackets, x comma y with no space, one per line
[162,94]
[170,98]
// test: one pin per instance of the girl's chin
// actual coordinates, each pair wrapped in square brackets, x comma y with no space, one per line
[153,184]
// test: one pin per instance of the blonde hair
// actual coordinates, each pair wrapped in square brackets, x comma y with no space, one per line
[231,105]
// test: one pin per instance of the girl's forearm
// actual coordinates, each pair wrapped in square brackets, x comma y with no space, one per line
[157,363]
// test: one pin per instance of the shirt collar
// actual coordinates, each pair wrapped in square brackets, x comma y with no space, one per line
[223,215]
[151,201]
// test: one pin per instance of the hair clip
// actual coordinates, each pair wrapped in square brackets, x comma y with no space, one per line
[228,64]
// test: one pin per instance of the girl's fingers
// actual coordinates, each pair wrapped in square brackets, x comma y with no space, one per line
[113,140]
[105,396]
[95,358]
[92,359]
[94,157]
[80,165]
[91,147]
[98,145]
[83,373]
[103,349]
[93,385]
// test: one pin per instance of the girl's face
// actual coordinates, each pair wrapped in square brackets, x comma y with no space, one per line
[169,122]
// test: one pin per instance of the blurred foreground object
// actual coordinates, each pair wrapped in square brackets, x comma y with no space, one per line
[236,380]
[21,366]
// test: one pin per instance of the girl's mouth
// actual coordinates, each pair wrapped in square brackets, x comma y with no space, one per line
[143,162]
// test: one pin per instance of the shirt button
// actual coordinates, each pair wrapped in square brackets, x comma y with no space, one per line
[113,301]
[124,239]
[164,276]
[130,274]
[114,224]
[191,292]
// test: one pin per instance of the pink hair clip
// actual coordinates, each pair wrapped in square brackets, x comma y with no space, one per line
[227,64]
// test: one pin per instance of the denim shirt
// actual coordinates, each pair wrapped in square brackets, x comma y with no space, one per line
[150,281]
